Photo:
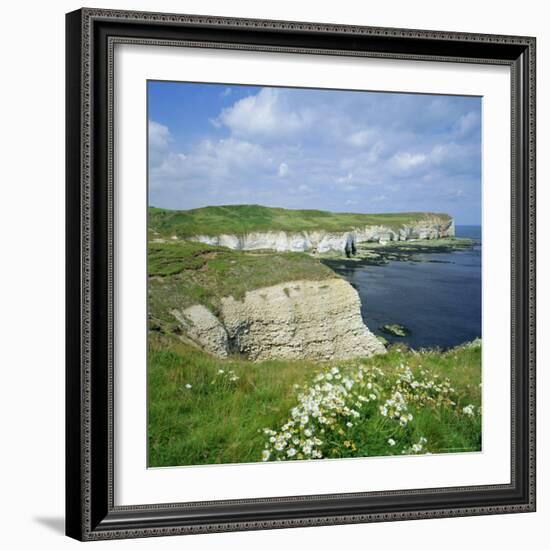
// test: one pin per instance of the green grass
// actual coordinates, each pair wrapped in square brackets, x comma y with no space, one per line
[183,273]
[220,418]
[216,420]
[243,219]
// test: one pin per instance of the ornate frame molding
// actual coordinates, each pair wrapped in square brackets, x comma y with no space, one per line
[91,37]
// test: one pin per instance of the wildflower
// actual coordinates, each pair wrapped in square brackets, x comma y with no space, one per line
[265,455]
[349,424]
[468,410]
[291,451]
[391,442]
[188,386]
[221,371]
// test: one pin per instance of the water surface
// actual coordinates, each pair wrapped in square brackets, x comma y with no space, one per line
[437,298]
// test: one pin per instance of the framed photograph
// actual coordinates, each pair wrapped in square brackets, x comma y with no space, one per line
[300,274]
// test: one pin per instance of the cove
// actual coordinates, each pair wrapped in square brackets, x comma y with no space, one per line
[437,296]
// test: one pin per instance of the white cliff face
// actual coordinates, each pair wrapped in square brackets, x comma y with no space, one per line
[315,320]
[326,241]
[318,320]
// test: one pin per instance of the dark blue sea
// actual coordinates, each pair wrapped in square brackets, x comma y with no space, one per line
[438,299]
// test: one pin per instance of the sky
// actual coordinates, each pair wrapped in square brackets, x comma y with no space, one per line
[343,151]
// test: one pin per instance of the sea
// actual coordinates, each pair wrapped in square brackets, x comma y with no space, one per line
[437,298]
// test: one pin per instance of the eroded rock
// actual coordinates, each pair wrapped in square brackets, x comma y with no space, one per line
[204,328]
[317,320]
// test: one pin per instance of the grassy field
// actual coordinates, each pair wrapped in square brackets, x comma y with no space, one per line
[242,219]
[183,273]
[204,410]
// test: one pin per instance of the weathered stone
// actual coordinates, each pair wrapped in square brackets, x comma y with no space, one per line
[395,329]
[204,328]
[317,320]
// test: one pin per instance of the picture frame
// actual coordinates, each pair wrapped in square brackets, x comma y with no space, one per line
[91,430]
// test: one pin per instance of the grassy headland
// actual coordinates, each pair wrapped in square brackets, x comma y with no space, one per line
[183,273]
[246,218]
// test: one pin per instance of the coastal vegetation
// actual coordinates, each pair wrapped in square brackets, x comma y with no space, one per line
[204,410]
[246,218]
[184,273]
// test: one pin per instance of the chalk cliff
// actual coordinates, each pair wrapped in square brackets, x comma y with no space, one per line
[325,241]
[316,320]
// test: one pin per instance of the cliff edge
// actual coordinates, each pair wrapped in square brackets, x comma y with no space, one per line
[259,305]
[253,227]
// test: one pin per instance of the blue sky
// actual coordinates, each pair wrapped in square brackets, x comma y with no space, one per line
[344,151]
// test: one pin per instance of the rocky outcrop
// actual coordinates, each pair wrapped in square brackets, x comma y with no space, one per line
[316,320]
[201,326]
[326,241]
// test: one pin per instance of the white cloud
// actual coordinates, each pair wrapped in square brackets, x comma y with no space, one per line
[159,142]
[345,184]
[159,136]
[266,114]
[457,157]
[406,161]
[215,122]
[467,123]
[361,138]
[212,163]
[283,169]
[344,179]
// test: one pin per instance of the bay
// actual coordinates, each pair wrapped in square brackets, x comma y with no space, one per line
[438,297]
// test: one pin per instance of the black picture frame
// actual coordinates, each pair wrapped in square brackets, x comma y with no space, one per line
[90,510]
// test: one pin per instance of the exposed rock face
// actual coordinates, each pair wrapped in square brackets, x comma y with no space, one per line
[203,327]
[317,320]
[325,241]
